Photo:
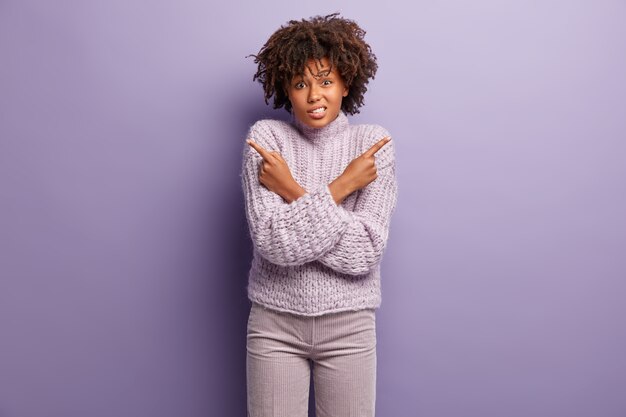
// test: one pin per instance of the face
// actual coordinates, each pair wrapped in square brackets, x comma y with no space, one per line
[316,96]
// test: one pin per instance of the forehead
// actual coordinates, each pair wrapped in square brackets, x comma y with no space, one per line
[317,68]
[319,64]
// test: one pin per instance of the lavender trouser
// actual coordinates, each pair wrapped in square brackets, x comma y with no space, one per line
[341,347]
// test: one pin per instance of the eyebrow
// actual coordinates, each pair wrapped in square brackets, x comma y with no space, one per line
[320,74]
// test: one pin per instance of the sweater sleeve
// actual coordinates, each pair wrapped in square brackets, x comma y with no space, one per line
[361,245]
[287,234]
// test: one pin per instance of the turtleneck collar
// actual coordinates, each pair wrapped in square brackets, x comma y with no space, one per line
[322,134]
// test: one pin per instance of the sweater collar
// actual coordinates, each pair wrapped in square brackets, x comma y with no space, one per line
[322,134]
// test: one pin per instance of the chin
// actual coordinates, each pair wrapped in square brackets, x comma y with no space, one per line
[317,123]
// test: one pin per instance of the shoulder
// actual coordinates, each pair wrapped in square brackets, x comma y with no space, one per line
[369,134]
[270,125]
[270,132]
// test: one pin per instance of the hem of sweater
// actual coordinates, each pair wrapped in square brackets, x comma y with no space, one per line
[373,306]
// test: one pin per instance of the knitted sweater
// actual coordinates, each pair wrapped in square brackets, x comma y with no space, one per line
[312,256]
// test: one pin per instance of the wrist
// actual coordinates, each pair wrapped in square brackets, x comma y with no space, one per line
[340,189]
[294,192]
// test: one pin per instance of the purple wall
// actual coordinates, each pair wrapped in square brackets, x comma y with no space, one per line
[124,247]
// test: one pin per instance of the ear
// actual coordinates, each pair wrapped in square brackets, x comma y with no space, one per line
[346,90]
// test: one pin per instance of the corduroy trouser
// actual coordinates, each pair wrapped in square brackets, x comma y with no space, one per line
[280,348]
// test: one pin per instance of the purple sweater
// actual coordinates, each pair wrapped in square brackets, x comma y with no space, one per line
[312,256]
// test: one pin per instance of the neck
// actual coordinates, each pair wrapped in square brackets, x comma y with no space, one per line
[325,133]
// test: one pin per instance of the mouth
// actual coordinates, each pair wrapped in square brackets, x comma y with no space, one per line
[317,112]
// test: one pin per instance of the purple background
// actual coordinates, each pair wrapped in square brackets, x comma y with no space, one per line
[125,251]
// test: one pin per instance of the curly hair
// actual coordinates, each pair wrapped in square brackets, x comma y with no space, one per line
[288,50]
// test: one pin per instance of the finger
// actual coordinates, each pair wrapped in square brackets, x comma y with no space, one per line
[264,154]
[377,146]
[278,156]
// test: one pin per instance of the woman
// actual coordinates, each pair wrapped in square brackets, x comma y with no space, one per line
[319,196]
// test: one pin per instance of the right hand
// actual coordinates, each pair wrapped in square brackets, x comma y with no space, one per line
[275,175]
[362,170]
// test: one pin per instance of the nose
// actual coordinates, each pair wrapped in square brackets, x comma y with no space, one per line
[314,94]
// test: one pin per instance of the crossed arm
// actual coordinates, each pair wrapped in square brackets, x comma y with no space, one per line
[291,226]
[274,174]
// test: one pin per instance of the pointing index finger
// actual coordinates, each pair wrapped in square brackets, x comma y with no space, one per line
[377,146]
[264,154]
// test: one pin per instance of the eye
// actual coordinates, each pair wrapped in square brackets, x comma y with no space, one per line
[299,85]
[327,82]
